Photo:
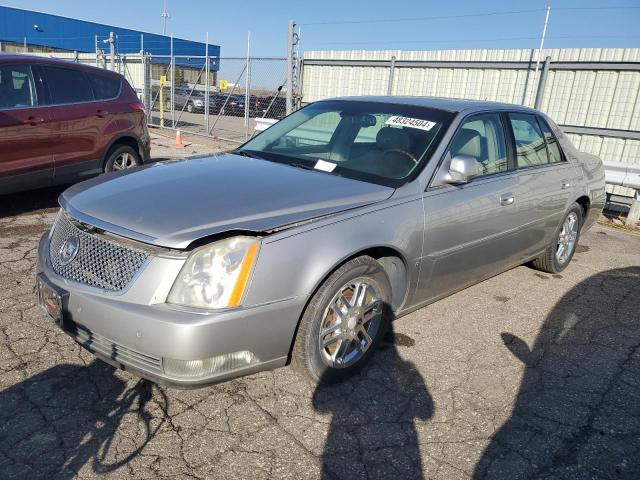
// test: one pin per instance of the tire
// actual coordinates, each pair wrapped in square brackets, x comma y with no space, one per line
[122,153]
[550,261]
[315,362]
[190,107]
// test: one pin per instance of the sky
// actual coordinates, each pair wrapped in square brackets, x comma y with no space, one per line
[368,25]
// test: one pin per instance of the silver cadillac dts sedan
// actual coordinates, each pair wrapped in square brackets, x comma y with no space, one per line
[300,246]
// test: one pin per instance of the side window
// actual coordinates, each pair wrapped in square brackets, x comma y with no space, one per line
[104,87]
[482,137]
[552,143]
[17,89]
[530,145]
[67,85]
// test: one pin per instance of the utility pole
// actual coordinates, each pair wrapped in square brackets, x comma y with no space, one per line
[112,51]
[544,33]
[165,16]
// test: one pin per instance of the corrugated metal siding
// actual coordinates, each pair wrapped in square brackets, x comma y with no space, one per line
[603,99]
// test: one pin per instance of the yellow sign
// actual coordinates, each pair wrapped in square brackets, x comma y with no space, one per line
[224,85]
[163,79]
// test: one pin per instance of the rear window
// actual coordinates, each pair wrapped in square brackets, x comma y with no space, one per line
[67,85]
[104,87]
[17,89]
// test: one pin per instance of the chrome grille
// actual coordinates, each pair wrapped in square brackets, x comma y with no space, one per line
[98,262]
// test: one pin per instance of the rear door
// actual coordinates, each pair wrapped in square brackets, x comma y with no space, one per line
[545,178]
[78,120]
[25,131]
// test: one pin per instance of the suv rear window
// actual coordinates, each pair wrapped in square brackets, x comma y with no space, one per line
[67,85]
[104,87]
[16,87]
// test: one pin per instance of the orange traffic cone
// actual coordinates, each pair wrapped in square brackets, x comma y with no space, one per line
[179,143]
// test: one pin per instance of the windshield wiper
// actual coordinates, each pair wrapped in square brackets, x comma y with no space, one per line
[301,165]
[244,153]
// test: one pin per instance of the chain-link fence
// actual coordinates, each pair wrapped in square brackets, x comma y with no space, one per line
[218,97]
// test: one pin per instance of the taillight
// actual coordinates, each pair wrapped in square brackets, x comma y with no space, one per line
[137,106]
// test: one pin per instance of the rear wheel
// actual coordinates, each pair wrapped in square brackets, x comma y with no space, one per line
[344,322]
[122,158]
[560,252]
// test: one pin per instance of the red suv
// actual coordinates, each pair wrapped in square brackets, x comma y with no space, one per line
[61,122]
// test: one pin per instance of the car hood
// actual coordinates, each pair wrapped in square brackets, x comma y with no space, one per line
[174,203]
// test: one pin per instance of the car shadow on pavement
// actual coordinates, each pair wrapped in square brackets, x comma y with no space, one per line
[32,200]
[372,432]
[68,418]
[577,414]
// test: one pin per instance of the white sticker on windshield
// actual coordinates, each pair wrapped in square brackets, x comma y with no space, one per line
[325,166]
[410,122]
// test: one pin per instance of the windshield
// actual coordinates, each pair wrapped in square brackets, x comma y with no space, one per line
[379,142]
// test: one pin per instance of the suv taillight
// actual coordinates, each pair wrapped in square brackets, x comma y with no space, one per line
[137,106]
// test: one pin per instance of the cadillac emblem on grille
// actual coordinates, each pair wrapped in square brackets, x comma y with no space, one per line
[69,250]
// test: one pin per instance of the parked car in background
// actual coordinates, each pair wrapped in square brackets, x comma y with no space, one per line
[61,122]
[305,242]
[189,100]
[271,107]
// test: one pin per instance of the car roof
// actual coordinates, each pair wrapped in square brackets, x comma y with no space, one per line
[454,105]
[6,58]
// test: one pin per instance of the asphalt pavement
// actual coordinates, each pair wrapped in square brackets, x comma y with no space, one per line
[526,375]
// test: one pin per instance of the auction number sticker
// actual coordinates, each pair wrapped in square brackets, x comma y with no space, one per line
[399,121]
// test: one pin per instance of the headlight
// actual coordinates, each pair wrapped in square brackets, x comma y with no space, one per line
[215,276]
[197,102]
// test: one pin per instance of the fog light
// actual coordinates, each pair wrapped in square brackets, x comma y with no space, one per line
[208,366]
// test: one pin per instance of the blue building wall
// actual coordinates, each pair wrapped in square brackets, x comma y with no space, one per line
[70,34]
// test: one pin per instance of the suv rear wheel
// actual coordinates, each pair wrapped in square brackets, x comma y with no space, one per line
[122,158]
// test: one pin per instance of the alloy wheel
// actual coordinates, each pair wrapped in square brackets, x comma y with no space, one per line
[350,323]
[123,161]
[567,238]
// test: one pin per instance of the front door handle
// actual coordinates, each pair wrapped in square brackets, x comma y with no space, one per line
[565,184]
[101,113]
[507,199]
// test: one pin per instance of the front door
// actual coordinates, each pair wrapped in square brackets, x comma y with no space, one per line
[26,160]
[473,230]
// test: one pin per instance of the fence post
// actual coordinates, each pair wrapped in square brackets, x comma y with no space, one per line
[634,211]
[290,67]
[247,94]
[173,81]
[206,81]
[541,83]
[392,67]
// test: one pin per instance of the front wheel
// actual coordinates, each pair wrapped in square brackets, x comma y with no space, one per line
[190,107]
[344,322]
[560,252]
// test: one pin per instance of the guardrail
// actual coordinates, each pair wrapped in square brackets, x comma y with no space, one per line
[625,175]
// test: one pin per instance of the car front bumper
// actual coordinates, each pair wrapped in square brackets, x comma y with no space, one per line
[146,338]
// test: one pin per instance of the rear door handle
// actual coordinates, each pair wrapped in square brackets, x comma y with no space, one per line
[101,113]
[34,120]
[507,199]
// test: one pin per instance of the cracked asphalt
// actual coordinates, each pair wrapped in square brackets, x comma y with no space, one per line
[526,375]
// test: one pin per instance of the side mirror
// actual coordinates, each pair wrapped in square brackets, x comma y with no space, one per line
[462,168]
